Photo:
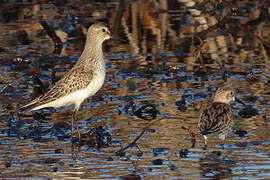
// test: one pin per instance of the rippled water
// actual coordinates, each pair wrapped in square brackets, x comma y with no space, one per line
[165,60]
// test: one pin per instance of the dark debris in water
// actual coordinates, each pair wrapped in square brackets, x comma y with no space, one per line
[40,116]
[248,112]
[120,153]
[8,164]
[39,87]
[241,133]
[51,160]
[183,153]
[58,151]
[109,159]
[146,112]
[157,162]
[22,37]
[130,177]
[152,69]
[251,77]
[172,167]
[250,98]
[97,137]
[51,33]
[181,105]
[217,153]
[158,151]
[200,72]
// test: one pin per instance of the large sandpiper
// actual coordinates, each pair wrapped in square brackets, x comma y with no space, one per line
[82,81]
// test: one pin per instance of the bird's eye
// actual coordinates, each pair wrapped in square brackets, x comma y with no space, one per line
[232,93]
[103,30]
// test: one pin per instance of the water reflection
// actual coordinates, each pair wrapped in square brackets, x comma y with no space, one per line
[216,165]
[169,54]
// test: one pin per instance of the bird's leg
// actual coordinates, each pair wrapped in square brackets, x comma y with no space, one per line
[72,123]
[75,150]
[74,118]
[205,142]
[77,127]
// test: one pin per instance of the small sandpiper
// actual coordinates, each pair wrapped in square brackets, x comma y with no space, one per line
[82,81]
[216,118]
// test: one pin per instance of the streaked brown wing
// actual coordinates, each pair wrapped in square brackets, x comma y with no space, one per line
[217,117]
[77,78]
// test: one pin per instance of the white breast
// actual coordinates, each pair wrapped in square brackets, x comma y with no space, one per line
[79,96]
[94,86]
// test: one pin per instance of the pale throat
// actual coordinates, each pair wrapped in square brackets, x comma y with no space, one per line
[221,99]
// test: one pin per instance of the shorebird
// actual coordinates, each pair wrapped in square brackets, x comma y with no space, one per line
[216,118]
[82,81]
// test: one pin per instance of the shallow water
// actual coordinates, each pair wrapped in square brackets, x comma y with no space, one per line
[167,55]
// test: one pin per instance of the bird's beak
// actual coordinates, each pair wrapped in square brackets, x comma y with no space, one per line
[238,100]
[109,33]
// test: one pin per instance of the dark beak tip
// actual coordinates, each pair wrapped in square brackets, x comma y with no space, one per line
[238,100]
[109,33]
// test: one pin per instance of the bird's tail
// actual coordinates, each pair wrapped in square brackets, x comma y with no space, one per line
[28,106]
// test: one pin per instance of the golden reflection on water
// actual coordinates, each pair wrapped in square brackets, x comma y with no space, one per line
[157,56]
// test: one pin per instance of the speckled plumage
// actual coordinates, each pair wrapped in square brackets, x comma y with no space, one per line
[74,80]
[83,80]
[216,118]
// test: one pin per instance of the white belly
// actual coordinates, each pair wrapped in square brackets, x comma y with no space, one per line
[92,88]
[79,96]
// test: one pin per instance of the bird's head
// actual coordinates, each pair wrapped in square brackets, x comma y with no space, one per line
[98,32]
